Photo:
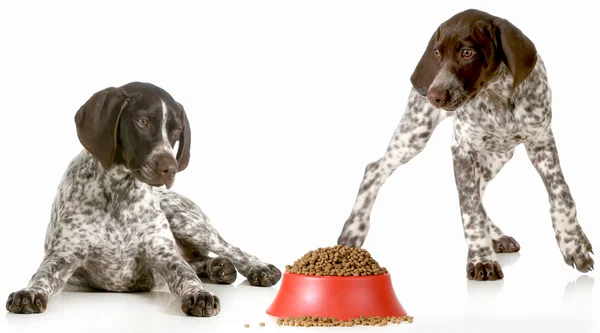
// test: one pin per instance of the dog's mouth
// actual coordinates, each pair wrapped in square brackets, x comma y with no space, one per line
[153,178]
[458,100]
[453,99]
[453,106]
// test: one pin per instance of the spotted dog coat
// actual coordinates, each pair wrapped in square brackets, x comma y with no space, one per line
[507,104]
[111,230]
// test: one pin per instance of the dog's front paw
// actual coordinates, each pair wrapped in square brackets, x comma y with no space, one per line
[351,240]
[576,252]
[221,270]
[263,275]
[506,244]
[354,233]
[27,301]
[201,304]
[484,271]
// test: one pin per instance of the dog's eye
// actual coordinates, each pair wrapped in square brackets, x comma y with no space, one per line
[142,122]
[467,53]
[437,52]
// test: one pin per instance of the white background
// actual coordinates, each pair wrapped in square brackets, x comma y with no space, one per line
[288,101]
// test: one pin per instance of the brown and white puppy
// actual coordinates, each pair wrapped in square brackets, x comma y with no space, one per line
[485,73]
[112,228]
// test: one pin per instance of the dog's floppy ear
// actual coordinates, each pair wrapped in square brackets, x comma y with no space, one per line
[518,52]
[97,123]
[185,140]
[427,68]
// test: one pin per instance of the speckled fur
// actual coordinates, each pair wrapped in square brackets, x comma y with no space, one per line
[486,130]
[109,231]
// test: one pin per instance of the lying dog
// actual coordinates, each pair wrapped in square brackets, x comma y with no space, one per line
[113,229]
[486,73]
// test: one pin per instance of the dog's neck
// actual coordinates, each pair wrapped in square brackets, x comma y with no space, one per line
[498,90]
[118,183]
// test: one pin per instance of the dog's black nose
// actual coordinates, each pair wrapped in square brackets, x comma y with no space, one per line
[438,96]
[167,166]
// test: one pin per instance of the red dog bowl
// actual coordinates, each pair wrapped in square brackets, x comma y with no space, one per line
[336,296]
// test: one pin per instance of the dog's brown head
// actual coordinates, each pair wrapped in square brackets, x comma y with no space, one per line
[137,126]
[465,53]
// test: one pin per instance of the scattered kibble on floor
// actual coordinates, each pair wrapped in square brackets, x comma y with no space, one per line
[308,321]
[261,324]
[247,325]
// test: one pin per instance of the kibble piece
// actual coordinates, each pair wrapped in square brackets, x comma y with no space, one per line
[261,324]
[247,325]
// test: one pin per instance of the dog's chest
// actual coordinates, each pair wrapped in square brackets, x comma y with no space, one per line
[116,264]
[120,243]
[500,126]
[485,130]
[114,216]
[120,236]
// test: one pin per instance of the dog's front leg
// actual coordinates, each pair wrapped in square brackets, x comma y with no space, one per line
[162,255]
[410,137]
[481,259]
[50,278]
[572,241]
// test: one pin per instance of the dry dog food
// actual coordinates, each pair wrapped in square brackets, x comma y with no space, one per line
[247,325]
[307,321]
[337,261]
[261,324]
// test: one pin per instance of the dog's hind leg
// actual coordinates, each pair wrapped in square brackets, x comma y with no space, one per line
[192,229]
[489,165]
[219,269]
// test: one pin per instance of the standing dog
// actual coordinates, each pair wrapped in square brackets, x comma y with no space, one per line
[486,73]
[113,229]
